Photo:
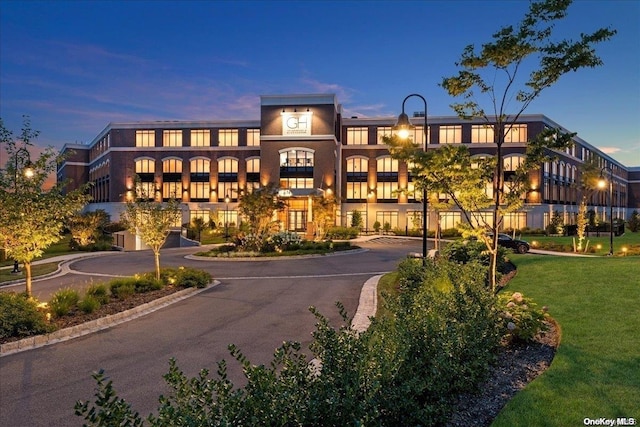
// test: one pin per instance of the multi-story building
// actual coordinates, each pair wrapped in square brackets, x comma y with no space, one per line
[304,145]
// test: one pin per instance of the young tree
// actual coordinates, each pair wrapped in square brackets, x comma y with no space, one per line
[495,70]
[587,184]
[324,214]
[259,207]
[86,228]
[32,218]
[356,219]
[151,221]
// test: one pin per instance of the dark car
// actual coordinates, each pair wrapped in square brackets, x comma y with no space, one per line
[519,246]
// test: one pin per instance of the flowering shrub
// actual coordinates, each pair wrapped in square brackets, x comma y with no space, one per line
[521,318]
[284,240]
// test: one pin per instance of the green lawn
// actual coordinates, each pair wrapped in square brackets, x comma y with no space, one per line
[628,241]
[36,270]
[596,371]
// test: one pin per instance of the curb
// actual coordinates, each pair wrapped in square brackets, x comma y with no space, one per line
[275,258]
[96,325]
[367,305]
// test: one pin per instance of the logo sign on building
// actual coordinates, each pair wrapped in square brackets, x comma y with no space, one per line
[296,124]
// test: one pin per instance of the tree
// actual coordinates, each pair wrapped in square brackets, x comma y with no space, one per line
[587,184]
[634,222]
[32,218]
[496,71]
[150,220]
[324,214]
[356,219]
[86,228]
[259,207]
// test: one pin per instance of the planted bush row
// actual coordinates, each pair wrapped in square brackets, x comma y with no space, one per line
[21,316]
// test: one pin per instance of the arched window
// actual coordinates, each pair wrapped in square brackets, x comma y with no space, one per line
[253,173]
[228,179]
[387,179]
[357,178]
[199,176]
[296,168]
[145,169]
[171,178]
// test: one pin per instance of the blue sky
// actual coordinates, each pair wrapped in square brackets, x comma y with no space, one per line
[75,66]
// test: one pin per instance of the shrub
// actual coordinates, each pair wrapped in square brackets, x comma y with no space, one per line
[147,283]
[123,288]
[89,304]
[99,292]
[465,251]
[185,277]
[521,318]
[63,301]
[342,233]
[283,241]
[20,317]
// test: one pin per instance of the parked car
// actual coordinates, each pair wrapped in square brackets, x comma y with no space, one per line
[519,246]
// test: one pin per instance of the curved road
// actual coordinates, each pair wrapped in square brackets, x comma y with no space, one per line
[257,306]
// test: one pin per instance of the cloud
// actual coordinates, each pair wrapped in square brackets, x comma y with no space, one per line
[610,150]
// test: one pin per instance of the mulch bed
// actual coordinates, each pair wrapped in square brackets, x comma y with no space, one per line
[518,363]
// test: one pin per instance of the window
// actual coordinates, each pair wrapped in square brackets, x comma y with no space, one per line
[418,136]
[253,173]
[172,138]
[356,191]
[450,220]
[228,179]
[357,177]
[293,183]
[200,138]
[387,178]
[199,177]
[145,138]
[228,137]
[297,159]
[514,220]
[382,132]
[387,217]
[517,133]
[145,166]
[482,134]
[253,137]
[202,214]
[145,169]
[450,134]
[171,179]
[358,136]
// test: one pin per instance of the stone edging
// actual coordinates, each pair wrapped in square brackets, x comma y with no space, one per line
[98,324]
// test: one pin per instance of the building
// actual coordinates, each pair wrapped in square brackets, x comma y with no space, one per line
[303,144]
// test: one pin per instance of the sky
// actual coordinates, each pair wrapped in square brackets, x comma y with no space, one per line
[75,66]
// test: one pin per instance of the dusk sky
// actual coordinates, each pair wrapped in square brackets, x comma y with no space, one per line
[75,66]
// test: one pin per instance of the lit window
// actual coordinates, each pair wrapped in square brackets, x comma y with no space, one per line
[382,132]
[253,137]
[357,136]
[172,138]
[228,179]
[145,138]
[450,134]
[200,138]
[228,137]
[387,178]
[357,177]
[482,134]
[517,133]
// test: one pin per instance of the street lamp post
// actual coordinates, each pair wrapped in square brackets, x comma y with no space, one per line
[28,173]
[403,126]
[602,182]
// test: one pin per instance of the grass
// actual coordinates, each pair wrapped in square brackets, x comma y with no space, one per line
[36,270]
[59,248]
[596,371]
[601,244]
